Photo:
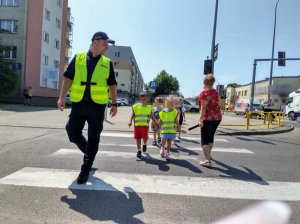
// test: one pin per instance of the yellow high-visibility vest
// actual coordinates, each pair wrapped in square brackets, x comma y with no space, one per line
[99,87]
[168,121]
[141,114]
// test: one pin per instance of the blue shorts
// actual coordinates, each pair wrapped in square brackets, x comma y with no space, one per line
[168,136]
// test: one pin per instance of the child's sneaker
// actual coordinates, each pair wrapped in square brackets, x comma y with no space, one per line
[154,143]
[139,154]
[167,156]
[144,148]
[162,153]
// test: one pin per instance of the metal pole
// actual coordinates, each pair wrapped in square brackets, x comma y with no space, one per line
[252,85]
[271,71]
[214,38]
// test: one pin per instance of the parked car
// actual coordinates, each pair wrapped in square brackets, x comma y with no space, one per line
[255,112]
[118,103]
[190,107]
[123,102]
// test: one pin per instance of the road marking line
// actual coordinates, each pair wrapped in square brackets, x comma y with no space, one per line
[216,149]
[125,135]
[127,155]
[156,184]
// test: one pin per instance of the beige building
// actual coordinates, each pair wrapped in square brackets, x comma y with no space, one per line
[281,88]
[129,78]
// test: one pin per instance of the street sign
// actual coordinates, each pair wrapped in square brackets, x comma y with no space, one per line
[152,85]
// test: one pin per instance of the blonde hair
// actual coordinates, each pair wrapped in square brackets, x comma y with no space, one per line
[209,79]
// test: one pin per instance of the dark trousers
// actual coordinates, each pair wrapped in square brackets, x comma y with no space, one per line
[208,131]
[93,114]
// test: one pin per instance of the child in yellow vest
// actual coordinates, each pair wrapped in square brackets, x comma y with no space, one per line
[141,114]
[168,121]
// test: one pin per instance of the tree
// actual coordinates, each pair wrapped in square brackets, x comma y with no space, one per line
[8,78]
[166,83]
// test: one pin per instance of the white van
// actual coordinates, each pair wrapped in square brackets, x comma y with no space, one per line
[293,104]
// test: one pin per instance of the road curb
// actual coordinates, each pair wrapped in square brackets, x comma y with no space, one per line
[257,132]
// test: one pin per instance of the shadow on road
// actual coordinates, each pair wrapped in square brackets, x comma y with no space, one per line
[232,172]
[163,164]
[255,140]
[107,205]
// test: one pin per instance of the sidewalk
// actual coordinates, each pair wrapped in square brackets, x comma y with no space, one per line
[18,115]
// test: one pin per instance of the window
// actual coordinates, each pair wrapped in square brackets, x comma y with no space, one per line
[9,2]
[58,23]
[45,59]
[116,74]
[54,84]
[9,52]
[56,63]
[245,93]
[59,3]
[122,84]
[117,54]
[47,14]
[56,45]
[10,26]
[46,37]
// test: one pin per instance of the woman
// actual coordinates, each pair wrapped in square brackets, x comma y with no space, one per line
[210,117]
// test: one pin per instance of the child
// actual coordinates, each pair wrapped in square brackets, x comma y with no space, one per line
[169,125]
[157,107]
[141,114]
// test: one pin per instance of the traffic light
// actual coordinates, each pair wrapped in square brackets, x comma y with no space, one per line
[207,67]
[281,55]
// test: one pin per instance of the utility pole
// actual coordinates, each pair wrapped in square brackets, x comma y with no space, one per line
[272,58]
[214,37]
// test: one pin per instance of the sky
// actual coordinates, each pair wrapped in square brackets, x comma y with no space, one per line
[176,36]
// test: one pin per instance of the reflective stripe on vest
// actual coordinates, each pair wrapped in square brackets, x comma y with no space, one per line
[141,114]
[168,121]
[99,91]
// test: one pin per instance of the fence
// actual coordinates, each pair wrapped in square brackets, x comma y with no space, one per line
[267,119]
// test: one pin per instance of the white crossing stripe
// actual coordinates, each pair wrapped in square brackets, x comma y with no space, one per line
[127,135]
[126,155]
[156,184]
[215,149]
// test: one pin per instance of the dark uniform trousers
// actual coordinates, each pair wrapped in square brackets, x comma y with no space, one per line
[93,114]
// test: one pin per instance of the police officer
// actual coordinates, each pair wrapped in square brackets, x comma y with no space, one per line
[88,77]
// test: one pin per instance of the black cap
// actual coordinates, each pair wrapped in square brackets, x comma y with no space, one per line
[100,36]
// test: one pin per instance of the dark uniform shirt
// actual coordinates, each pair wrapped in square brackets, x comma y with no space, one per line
[91,63]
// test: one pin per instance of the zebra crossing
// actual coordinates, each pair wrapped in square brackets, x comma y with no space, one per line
[152,183]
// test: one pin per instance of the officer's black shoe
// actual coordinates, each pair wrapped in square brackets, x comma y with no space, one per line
[83,177]
[144,148]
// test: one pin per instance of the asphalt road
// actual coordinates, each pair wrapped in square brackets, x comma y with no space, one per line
[38,168]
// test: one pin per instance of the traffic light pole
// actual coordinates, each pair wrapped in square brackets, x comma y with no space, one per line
[254,75]
[212,57]
[271,70]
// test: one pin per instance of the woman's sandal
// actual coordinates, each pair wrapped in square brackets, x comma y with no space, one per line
[205,163]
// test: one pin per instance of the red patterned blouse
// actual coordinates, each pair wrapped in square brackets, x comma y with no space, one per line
[213,111]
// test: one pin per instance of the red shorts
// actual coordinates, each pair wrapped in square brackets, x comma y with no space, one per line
[141,132]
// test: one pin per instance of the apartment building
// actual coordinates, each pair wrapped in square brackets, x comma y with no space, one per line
[36,35]
[129,78]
